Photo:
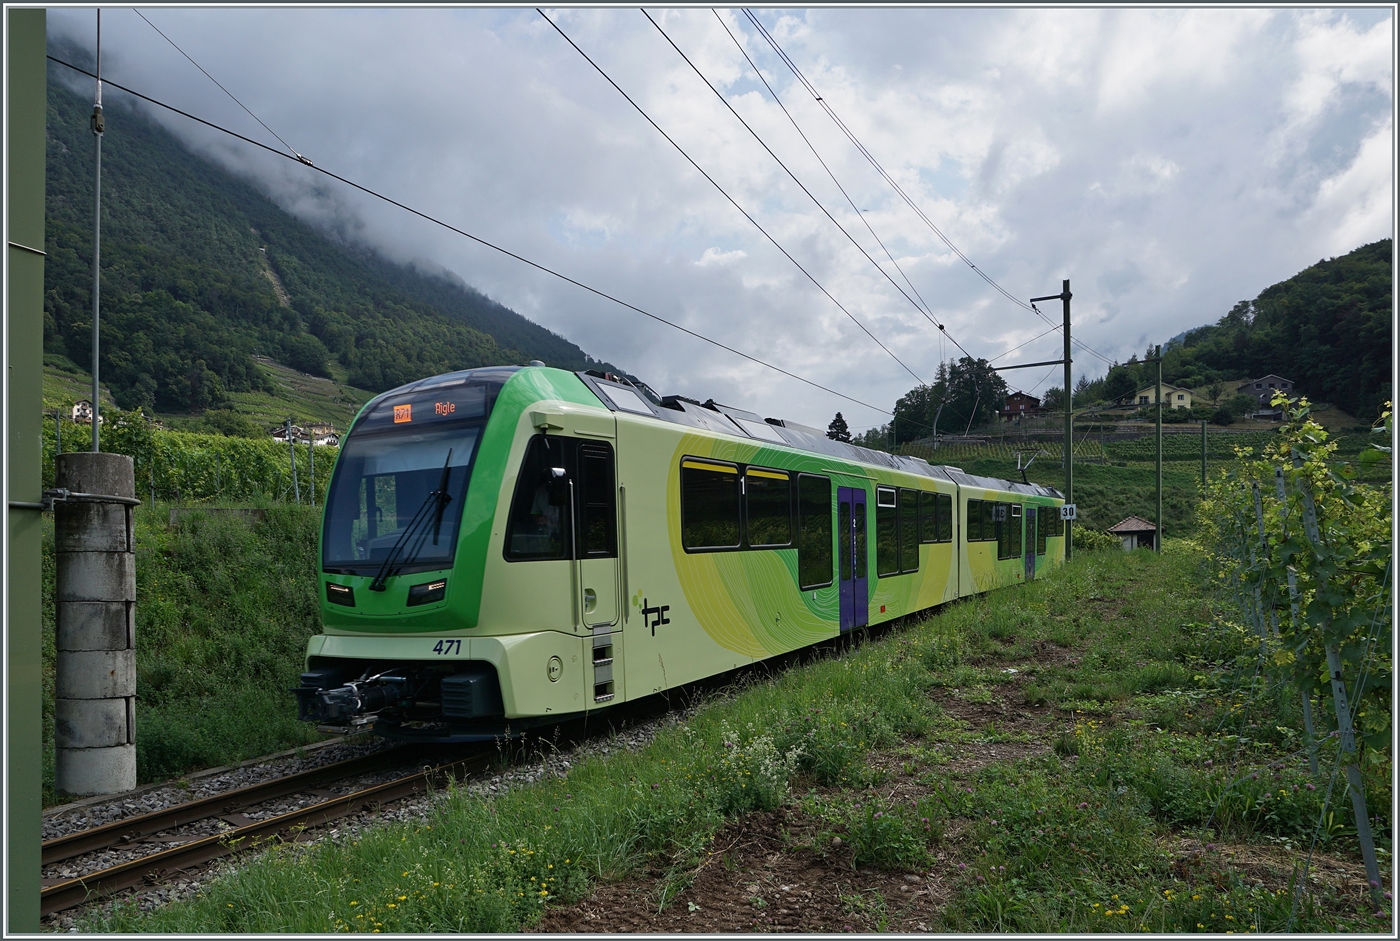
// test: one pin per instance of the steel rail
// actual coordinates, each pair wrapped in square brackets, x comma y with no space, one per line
[132,829]
[73,892]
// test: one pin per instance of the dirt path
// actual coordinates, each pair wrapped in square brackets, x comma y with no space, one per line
[771,872]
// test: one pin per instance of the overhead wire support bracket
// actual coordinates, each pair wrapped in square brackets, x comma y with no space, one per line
[1048,362]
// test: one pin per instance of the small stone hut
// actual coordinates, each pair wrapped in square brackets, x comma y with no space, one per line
[1135,533]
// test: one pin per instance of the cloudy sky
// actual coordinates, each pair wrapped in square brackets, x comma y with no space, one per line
[1169,162]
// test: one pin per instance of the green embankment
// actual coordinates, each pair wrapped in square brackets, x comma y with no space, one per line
[224,607]
[1136,718]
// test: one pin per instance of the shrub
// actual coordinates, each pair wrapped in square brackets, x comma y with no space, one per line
[1087,539]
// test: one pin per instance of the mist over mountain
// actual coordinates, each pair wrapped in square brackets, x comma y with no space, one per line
[201,271]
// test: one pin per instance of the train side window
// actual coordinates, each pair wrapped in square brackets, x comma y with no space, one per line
[814,536]
[974,521]
[886,531]
[1043,522]
[1017,524]
[989,524]
[928,516]
[768,504]
[538,528]
[1002,527]
[709,505]
[908,530]
[597,503]
[945,517]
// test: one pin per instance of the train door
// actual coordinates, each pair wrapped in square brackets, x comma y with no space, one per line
[1029,543]
[596,576]
[850,538]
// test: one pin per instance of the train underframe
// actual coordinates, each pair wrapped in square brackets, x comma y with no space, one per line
[409,700]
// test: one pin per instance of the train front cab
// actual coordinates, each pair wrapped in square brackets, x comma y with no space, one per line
[486,626]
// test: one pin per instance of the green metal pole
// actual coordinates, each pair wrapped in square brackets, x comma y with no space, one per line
[24,355]
[1065,295]
[1158,541]
[1203,452]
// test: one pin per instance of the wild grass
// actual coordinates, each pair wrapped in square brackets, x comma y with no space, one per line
[224,609]
[1179,745]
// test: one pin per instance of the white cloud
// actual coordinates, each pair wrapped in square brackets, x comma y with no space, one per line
[1169,162]
[1355,206]
[713,256]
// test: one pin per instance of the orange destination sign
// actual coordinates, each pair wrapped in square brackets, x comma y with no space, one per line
[403,413]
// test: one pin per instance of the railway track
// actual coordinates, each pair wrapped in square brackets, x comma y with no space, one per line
[63,893]
[195,850]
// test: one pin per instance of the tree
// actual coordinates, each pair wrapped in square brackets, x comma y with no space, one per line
[877,439]
[914,413]
[1121,381]
[968,392]
[1054,400]
[1215,391]
[838,430]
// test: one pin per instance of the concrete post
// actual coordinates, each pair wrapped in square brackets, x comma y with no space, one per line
[94,708]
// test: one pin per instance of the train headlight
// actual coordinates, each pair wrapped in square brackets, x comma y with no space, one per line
[428,593]
[340,594]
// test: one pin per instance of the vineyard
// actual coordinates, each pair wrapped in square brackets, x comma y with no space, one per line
[1306,549]
[185,467]
[957,454]
[1176,446]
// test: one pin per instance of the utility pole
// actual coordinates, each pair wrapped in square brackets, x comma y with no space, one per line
[292,449]
[1204,422]
[99,124]
[1064,297]
[1158,540]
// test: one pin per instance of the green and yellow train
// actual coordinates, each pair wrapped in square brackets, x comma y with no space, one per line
[513,546]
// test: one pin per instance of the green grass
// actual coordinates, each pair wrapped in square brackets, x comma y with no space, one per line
[1175,724]
[224,609]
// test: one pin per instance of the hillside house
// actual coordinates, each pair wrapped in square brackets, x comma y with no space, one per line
[1263,390]
[1019,404]
[1174,396]
[318,434]
[1135,533]
[82,413]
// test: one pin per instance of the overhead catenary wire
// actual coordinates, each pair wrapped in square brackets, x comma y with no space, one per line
[899,190]
[599,69]
[1027,343]
[475,238]
[221,86]
[922,309]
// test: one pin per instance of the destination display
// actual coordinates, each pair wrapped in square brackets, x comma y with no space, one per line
[427,407]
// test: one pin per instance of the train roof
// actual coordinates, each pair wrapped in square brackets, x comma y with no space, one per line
[631,395]
[635,397]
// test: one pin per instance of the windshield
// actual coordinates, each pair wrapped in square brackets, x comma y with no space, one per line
[382,482]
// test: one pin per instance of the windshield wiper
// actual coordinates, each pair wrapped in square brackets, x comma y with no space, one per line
[444,497]
[420,517]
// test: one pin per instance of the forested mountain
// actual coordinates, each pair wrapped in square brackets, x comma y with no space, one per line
[1327,329]
[200,271]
